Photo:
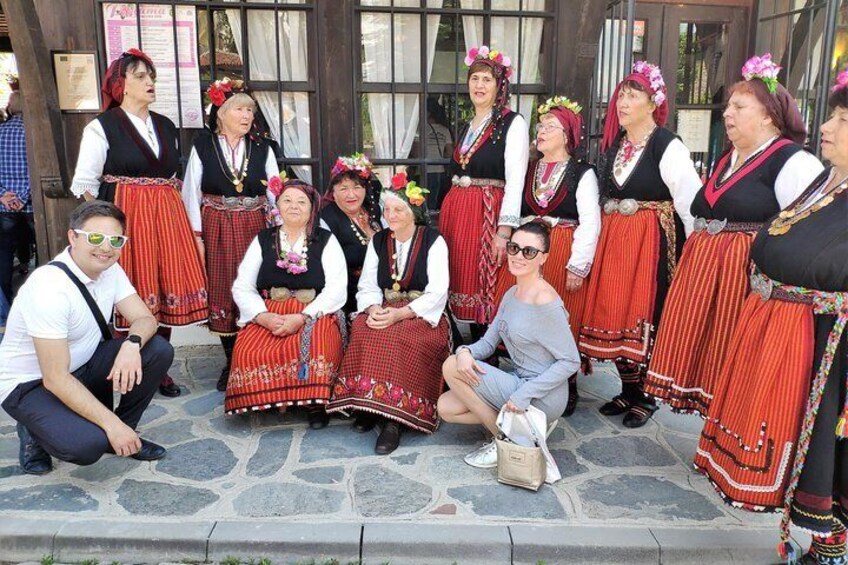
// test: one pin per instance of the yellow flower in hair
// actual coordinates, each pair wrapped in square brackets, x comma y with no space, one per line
[415,193]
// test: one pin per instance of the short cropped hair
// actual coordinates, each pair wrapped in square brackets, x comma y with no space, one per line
[96,209]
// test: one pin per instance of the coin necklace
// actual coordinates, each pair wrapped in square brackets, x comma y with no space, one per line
[357,229]
[788,218]
[394,271]
[628,150]
[237,178]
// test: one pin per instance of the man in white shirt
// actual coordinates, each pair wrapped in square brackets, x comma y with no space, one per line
[59,365]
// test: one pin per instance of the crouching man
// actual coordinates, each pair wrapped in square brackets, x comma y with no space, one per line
[59,363]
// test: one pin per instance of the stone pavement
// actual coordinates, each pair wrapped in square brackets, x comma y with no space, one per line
[267,475]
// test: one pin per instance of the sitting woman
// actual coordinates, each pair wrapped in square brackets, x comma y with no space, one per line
[401,335]
[289,290]
[533,324]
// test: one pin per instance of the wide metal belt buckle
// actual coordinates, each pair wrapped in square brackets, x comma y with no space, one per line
[625,207]
[463,181]
[700,224]
[250,201]
[715,227]
[303,295]
[762,285]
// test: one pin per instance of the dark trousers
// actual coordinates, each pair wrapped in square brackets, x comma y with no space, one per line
[66,435]
[14,235]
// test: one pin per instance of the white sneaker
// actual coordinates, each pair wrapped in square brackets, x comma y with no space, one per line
[485,457]
[551,427]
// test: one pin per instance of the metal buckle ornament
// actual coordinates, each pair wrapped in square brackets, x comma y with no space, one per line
[625,207]
[762,285]
[303,295]
[463,181]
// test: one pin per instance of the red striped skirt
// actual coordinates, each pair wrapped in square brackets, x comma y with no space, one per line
[161,257]
[269,371]
[749,439]
[468,221]
[698,319]
[622,290]
[555,272]
[227,235]
[395,372]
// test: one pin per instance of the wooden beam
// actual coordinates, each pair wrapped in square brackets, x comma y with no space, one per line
[43,122]
[576,43]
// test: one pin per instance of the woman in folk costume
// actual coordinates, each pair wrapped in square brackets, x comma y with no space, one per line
[764,171]
[775,433]
[352,212]
[129,156]
[484,202]
[563,190]
[290,289]
[401,335]
[647,182]
[224,195]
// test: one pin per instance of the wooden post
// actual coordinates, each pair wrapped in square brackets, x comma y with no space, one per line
[43,123]
[576,40]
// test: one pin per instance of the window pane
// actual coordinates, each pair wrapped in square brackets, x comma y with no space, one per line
[376,2]
[227,37]
[296,138]
[506,4]
[390,124]
[293,46]
[380,41]
[532,50]
[263,47]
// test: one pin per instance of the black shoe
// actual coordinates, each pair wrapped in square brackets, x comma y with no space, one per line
[224,379]
[389,439]
[169,388]
[638,415]
[317,418]
[364,422]
[572,398]
[616,406]
[32,457]
[149,451]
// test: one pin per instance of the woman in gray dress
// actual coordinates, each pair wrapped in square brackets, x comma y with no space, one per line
[533,325]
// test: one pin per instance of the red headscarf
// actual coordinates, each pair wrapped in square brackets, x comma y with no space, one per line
[112,88]
[612,128]
[572,123]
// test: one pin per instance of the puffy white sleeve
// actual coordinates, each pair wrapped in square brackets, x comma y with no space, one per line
[431,305]
[516,156]
[678,173]
[368,290]
[586,234]
[797,174]
[334,294]
[245,293]
[192,193]
[91,160]
[271,170]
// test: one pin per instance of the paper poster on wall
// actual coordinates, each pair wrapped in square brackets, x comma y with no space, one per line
[693,127]
[159,26]
[76,81]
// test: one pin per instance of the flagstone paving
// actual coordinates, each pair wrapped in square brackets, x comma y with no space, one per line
[270,465]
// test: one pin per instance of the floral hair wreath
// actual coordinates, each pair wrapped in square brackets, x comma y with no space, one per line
[483,53]
[764,69]
[654,76]
[407,189]
[219,89]
[841,81]
[357,163]
[275,184]
[559,102]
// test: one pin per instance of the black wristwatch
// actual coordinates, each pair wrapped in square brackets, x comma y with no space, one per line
[136,339]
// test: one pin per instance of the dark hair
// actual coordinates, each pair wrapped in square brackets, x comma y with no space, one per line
[760,91]
[348,175]
[539,228]
[96,209]
[635,85]
[838,99]
[479,66]
[130,63]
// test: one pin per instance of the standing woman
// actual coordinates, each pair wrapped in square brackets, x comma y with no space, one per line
[775,436]
[290,289]
[401,334]
[484,202]
[648,182]
[563,190]
[765,171]
[352,212]
[129,156]
[224,195]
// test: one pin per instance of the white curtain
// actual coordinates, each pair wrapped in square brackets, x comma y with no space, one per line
[394,119]
[504,37]
[291,62]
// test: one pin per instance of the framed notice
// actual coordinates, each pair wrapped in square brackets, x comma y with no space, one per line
[693,127]
[77,81]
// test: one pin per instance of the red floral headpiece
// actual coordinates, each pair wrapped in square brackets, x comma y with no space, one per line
[220,90]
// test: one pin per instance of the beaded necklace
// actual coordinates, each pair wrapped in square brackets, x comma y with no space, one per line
[237,178]
[817,200]
[289,260]
[394,269]
[628,150]
[472,141]
[357,229]
[544,191]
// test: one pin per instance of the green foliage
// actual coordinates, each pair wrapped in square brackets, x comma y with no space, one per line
[47,560]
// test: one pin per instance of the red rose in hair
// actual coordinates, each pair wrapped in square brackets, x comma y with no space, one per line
[399,181]
[217,95]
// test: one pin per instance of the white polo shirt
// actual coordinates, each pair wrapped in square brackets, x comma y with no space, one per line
[50,306]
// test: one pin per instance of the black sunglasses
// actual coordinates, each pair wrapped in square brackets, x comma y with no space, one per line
[528,252]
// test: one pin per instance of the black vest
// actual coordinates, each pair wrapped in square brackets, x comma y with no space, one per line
[645,181]
[130,156]
[748,194]
[270,275]
[564,203]
[354,251]
[488,161]
[215,181]
[417,259]
[814,252]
